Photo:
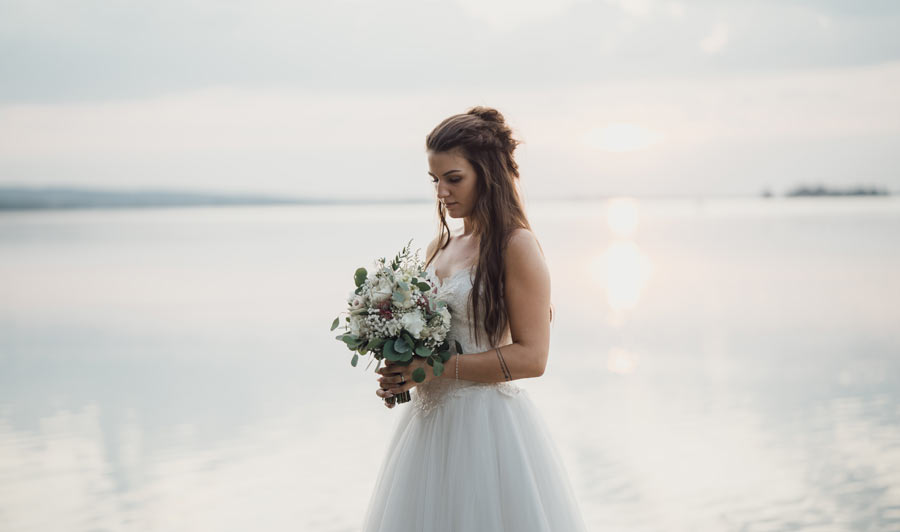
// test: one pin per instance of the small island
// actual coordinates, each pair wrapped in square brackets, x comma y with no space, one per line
[822,190]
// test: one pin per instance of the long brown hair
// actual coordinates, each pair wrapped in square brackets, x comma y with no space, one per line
[486,141]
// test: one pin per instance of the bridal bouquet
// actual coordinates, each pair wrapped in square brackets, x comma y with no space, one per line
[396,314]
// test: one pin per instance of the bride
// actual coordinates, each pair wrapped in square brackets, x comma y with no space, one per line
[470,452]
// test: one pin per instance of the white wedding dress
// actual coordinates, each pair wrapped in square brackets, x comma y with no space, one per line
[469,456]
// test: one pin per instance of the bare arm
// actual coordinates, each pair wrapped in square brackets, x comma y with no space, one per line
[527,293]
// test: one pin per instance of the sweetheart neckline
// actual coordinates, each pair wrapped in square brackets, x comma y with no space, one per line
[452,275]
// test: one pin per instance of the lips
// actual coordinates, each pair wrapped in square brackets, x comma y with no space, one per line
[450,204]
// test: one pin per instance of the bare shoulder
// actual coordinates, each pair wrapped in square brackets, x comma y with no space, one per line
[523,244]
[524,255]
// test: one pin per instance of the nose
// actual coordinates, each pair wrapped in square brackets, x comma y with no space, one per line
[441,191]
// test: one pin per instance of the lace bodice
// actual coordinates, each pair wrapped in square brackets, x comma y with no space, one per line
[455,290]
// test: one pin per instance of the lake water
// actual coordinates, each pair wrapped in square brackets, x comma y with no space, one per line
[716,365]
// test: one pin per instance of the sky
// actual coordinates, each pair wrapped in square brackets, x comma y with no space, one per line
[335,98]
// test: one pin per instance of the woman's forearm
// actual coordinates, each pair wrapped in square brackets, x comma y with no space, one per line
[521,362]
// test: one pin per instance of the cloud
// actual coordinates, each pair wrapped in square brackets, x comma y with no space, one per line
[58,51]
[506,15]
[622,137]
[676,9]
[716,40]
[638,8]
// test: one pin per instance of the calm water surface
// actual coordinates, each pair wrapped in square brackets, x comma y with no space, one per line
[716,365]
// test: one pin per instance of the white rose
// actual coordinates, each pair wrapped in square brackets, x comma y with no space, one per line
[356,301]
[413,322]
[355,325]
[382,291]
[445,314]
[408,300]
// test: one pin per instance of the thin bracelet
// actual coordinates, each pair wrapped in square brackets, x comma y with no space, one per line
[503,366]
[457,366]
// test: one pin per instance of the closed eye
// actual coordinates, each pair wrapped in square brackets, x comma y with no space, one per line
[457,180]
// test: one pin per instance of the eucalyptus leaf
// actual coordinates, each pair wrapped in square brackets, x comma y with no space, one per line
[423,286]
[354,360]
[438,368]
[424,351]
[335,323]
[359,276]
[409,339]
[389,352]
[418,374]
[458,346]
[445,356]
[401,346]
[374,343]
[352,341]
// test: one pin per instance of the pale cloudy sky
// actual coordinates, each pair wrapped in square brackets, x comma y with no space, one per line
[335,98]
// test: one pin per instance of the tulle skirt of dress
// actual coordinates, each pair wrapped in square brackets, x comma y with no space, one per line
[478,459]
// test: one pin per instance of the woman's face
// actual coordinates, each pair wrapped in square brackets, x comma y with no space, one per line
[454,181]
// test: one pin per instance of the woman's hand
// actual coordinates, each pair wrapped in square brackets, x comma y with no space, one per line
[392,374]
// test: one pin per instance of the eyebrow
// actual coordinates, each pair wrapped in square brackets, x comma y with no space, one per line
[448,172]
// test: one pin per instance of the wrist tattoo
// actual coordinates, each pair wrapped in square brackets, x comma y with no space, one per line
[503,366]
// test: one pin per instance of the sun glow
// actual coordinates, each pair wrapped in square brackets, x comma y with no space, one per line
[622,217]
[621,361]
[623,269]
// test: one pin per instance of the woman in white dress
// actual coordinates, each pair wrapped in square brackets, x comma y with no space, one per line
[470,452]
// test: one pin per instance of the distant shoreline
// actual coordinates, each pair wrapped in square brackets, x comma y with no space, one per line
[36,198]
[20,198]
